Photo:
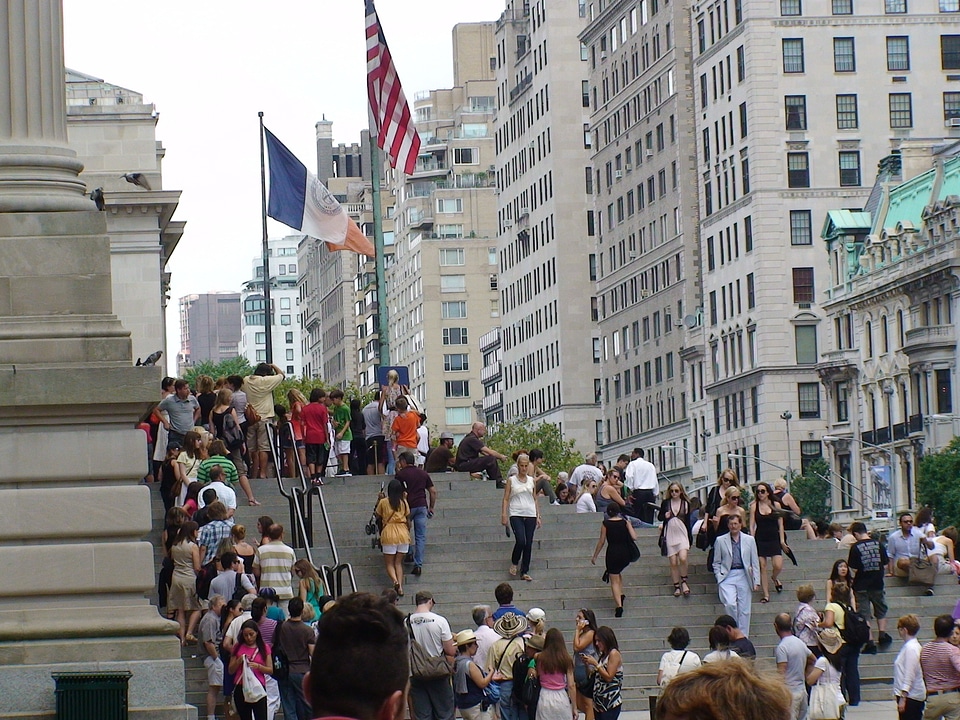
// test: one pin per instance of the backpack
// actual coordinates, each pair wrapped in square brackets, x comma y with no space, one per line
[856,629]
[232,434]
[526,683]
[238,589]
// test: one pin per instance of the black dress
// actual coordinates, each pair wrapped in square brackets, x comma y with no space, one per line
[768,534]
[618,545]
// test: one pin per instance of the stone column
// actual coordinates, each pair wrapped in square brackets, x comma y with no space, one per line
[75,574]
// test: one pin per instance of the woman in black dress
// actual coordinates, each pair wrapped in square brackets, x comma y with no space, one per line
[766,526]
[620,538]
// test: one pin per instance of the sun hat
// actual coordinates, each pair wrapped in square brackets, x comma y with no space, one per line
[535,641]
[446,436]
[510,624]
[830,640]
[465,637]
[536,615]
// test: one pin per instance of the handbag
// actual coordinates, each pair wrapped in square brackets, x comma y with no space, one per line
[251,415]
[824,704]
[922,571]
[702,542]
[634,551]
[662,540]
[424,666]
[253,690]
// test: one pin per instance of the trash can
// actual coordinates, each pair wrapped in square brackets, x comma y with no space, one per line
[91,695]
[652,699]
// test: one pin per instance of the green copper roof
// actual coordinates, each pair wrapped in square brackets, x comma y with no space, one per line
[907,201]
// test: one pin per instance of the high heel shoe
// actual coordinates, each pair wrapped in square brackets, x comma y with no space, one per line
[685,586]
[676,590]
[618,612]
[778,585]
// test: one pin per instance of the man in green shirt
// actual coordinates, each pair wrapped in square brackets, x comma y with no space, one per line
[341,426]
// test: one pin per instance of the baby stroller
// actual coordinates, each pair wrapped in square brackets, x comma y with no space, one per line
[375,524]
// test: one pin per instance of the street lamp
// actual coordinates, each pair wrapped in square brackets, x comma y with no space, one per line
[741,456]
[687,451]
[893,482]
[786,416]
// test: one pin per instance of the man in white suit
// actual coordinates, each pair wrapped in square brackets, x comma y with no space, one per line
[737,569]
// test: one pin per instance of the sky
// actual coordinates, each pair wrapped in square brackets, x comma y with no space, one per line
[209,66]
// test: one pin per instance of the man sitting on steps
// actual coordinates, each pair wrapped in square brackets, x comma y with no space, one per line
[474,456]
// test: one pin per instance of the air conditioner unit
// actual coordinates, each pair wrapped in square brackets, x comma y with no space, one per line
[508,223]
[524,211]
[628,167]
[618,174]
[644,293]
[953,122]
[492,168]
[603,56]
[649,153]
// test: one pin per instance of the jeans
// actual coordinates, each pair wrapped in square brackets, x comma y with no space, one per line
[291,697]
[523,529]
[609,714]
[432,699]
[544,486]
[509,711]
[850,679]
[419,517]
[391,460]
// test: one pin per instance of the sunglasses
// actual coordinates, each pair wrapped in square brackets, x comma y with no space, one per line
[761,491]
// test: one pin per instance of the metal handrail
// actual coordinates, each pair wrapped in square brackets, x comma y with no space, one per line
[301,513]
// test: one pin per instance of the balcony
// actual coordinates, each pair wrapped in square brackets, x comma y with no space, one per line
[355,210]
[493,401]
[916,424]
[839,365]
[420,218]
[491,373]
[901,431]
[490,339]
[430,167]
[521,87]
[930,338]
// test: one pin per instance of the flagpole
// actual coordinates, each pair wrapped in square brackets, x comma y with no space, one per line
[268,320]
[384,331]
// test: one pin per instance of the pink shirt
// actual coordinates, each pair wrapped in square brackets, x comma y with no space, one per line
[254,655]
[553,681]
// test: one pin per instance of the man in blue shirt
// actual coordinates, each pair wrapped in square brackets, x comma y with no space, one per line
[183,410]
[903,545]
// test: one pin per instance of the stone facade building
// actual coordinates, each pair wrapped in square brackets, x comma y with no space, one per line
[209,328]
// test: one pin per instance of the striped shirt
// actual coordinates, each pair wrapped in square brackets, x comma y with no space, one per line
[940,663]
[275,561]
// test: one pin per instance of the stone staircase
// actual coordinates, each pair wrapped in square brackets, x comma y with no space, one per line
[468,554]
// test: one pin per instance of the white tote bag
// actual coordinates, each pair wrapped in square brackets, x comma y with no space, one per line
[253,690]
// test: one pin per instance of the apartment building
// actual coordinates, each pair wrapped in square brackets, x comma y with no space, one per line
[285,327]
[442,286]
[549,340]
[796,104]
[889,368]
[209,328]
[646,263]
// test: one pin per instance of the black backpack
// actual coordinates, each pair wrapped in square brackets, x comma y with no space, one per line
[526,685]
[856,629]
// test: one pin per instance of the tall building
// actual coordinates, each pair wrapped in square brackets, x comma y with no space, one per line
[442,286]
[545,236]
[338,298]
[889,366]
[646,262]
[285,328]
[209,328]
[114,133]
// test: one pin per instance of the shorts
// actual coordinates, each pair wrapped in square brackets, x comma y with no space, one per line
[257,440]
[214,668]
[871,604]
[378,443]
[317,454]
[343,447]
[396,549]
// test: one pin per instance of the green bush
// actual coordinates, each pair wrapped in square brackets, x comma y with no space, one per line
[938,483]
[812,492]
[558,454]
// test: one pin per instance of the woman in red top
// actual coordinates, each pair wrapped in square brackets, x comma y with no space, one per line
[259,658]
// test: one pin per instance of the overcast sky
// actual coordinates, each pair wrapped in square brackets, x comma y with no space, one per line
[210,65]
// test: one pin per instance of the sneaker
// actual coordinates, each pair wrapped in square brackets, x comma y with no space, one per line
[885,639]
[869,649]
[417,570]
[929,592]
[555,502]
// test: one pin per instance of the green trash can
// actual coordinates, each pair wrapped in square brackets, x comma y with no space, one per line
[91,695]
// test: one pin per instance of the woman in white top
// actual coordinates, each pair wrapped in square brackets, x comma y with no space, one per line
[521,514]
[825,677]
[719,640]
[679,659]
[908,687]
[585,501]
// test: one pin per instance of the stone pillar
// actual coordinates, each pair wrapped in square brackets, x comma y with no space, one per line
[75,572]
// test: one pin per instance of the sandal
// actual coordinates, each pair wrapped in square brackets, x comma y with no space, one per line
[685,586]
[778,586]
[676,589]
[252,502]
[189,640]
[526,577]
[513,570]
[765,600]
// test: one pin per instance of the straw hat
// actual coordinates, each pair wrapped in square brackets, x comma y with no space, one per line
[465,637]
[510,624]
[830,640]
[536,642]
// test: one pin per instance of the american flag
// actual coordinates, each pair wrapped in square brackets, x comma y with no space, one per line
[395,131]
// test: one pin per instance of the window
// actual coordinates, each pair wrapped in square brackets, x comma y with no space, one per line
[793,55]
[457,362]
[741,65]
[289,355]
[790,8]
[901,110]
[455,310]
[805,340]
[844,55]
[451,256]
[585,93]
[951,105]
[798,170]
[803,285]
[842,393]
[466,156]
[949,6]
[459,416]
[944,393]
[842,7]
[751,293]
[795,107]
[810,450]
[455,336]
[456,388]
[950,52]
[260,338]
[453,283]
[449,205]
[450,231]
[898,53]
[288,337]
[850,168]
[801,227]
[847,112]
[894,7]
[808,398]
[285,303]
[285,320]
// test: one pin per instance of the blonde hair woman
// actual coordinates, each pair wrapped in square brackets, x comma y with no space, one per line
[521,513]
[675,516]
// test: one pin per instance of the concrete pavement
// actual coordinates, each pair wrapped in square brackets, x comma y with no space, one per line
[864,711]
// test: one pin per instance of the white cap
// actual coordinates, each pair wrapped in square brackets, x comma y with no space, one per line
[536,614]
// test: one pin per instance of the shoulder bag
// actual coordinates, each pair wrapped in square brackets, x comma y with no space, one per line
[253,690]
[422,665]
[824,704]
[922,571]
[251,415]
[281,664]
